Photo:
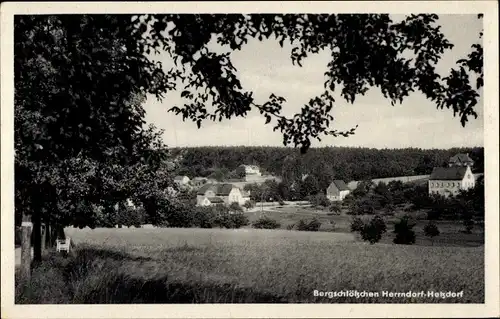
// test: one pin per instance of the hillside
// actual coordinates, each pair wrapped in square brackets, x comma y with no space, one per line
[327,163]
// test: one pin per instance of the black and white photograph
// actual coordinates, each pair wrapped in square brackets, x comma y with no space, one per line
[333,154]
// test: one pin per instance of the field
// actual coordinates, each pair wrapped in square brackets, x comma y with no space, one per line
[451,234]
[215,265]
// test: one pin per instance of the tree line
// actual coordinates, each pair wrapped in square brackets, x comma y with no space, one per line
[325,163]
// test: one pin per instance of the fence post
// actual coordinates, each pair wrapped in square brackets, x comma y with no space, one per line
[26,229]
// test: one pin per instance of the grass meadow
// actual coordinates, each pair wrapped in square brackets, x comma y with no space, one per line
[168,265]
[451,231]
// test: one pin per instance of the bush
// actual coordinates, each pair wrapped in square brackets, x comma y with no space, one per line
[404,233]
[335,209]
[312,225]
[249,204]
[235,207]
[204,217]
[379,223]
[226,219]
[357,224]
[290,226]
[266,223]
[372,232]
[431,230]
[180,215]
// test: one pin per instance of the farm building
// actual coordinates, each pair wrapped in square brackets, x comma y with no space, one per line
[460,160]
[228,193]
[251,172]
[337,190]
[450,180]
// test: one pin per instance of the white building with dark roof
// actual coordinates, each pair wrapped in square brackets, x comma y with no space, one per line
[448,181]
[337,190]
[220,194]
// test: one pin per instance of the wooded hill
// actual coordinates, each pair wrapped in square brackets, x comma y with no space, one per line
[324,163]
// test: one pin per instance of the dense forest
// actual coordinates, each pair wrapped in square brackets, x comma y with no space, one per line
[324,163]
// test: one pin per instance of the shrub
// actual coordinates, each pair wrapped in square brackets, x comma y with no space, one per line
[239,220]
[431,230]
[290,226]
[266,223]
[235,207]
[364,206]
[372,232]
[226,219]
[357,224]
[404,233]
[379,223]
[335,209]
[249,204]
[204,217]
[312,225]
[180,215]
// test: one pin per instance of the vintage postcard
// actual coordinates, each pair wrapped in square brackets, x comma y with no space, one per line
[250,159]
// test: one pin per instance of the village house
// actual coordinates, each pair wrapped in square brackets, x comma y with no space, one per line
[337,190]
[460,160]
[181,181]
[228,193]
[251,172]
[448,181]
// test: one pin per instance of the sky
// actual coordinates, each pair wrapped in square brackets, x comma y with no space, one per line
[265,68]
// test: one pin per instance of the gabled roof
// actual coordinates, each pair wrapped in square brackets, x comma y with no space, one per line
[448,173]
[341,185]
[218,189]
[461,158]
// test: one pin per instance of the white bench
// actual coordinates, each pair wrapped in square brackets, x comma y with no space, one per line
[63,244]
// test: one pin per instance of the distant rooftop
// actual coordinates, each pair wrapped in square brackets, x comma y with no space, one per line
[448,173]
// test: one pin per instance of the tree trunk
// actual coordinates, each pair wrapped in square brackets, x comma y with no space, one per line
[26,228]
[48,235]
[44,237]
[37,237]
